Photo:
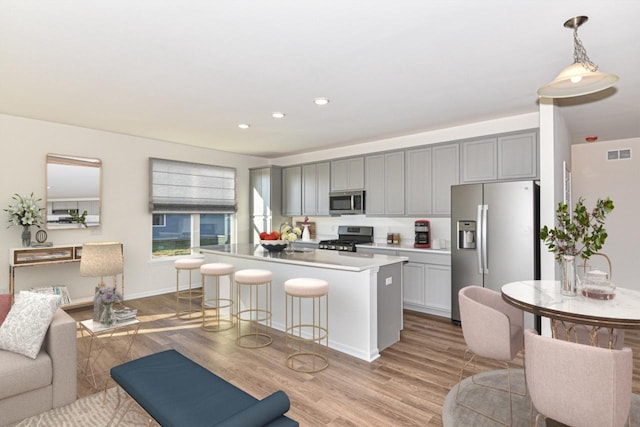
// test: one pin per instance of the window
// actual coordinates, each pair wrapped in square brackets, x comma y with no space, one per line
[192,205]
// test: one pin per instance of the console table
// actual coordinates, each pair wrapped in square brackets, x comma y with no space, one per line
[44,256]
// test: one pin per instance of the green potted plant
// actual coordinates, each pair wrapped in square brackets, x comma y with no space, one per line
[578,233]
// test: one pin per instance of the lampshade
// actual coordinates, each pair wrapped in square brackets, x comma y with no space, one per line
[580,78]
[101,259]
[575,80]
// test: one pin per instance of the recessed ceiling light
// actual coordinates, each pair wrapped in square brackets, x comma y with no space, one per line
[277,115]
[244,126]
[321,101]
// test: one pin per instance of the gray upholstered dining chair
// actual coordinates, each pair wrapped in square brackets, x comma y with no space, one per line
[577,384]
[492,329]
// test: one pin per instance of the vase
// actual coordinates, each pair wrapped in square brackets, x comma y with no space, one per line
[26,236]
[306,236]
[568,285]
[289,248]
[106,318]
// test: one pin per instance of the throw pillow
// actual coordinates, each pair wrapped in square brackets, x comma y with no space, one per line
[27,322]
[5,306]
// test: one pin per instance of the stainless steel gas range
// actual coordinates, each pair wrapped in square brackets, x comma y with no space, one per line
[348,237]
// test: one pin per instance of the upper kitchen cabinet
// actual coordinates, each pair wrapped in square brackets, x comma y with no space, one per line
[518,156]
[479,160]
[347,174]
[292,191]
[503,157]
[446,172]
[265,190]
[430,174]
[315,188]
[384,184]
[418,181]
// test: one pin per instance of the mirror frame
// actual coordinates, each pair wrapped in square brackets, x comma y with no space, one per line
[56,168]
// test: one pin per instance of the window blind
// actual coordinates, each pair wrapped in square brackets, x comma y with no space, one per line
[183,187]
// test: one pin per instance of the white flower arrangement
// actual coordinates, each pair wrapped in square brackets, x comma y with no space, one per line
[290,234]
[25,211]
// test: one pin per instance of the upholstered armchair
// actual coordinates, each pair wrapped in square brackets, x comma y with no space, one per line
[577,384]
[492,329]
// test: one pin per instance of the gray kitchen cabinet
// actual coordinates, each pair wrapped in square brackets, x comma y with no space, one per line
[479,160]
[446,172]
[427,282]
[292,191]
[502,157]
[315,189]
[260,191]
[430,174]
[347,174]
[418,181]
[426,279]
[384,184]
[265,200]
[518,156]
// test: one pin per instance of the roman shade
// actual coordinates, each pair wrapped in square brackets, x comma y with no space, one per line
[183,187]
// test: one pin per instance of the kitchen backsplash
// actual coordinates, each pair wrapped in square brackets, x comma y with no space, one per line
[327,227]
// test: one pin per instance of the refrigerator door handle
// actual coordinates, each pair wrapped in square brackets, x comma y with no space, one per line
[485,260]
[479,239]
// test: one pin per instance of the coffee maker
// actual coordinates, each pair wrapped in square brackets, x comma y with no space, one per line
[423,234]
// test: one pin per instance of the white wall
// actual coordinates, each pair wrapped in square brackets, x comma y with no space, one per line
[125,212]
[596,177]
[555,147]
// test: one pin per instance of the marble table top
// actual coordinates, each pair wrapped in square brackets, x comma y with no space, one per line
[543,297]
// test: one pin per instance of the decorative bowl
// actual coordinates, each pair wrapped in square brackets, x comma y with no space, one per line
[274,245]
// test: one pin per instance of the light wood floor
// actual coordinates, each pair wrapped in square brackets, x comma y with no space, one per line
[406,386]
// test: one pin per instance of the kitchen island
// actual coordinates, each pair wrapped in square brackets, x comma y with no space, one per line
[365,291]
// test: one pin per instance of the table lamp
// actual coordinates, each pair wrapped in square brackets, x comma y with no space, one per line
[100,260]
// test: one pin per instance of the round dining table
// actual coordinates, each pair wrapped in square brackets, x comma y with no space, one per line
[543,298]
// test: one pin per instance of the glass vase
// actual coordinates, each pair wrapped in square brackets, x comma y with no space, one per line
[26,236]
[568,283]
[106,318]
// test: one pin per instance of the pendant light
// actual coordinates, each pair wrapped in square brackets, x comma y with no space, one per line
[580,78]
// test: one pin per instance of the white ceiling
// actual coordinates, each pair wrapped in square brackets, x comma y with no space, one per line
[191,71]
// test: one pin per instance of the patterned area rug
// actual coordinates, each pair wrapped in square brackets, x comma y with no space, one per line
[496,403]
[99,409]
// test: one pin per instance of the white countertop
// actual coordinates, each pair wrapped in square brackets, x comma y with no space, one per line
[404,247]
[337,260]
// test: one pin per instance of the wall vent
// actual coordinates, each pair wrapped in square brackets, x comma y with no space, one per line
[623,154]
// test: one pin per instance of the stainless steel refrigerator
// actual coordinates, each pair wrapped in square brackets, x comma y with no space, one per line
[494,235]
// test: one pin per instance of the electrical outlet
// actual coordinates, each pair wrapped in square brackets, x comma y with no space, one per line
[388,281]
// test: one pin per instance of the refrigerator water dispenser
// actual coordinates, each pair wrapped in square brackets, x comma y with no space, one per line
[466,234]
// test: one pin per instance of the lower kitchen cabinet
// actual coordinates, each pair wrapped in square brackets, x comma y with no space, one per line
[426,279]
[427,282]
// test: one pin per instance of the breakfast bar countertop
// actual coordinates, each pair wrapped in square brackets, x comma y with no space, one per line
[336,260]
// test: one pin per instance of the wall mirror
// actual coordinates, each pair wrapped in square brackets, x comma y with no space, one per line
[73,192]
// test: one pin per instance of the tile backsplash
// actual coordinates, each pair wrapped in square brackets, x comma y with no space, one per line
[327,227]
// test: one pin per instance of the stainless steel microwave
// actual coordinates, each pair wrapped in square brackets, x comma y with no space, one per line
[346,202]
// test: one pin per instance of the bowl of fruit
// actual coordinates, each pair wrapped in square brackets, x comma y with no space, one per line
[271,241]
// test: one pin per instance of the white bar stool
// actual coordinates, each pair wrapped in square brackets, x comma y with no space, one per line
[217,307]
[188,295]
[307,325]
[254,311]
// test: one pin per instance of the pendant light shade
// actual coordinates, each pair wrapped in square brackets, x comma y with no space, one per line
[580,78]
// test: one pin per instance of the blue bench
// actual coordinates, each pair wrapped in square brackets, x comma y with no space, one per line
[176,391]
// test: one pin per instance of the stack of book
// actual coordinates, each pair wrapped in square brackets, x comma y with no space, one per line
[55,290]
[125,314]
